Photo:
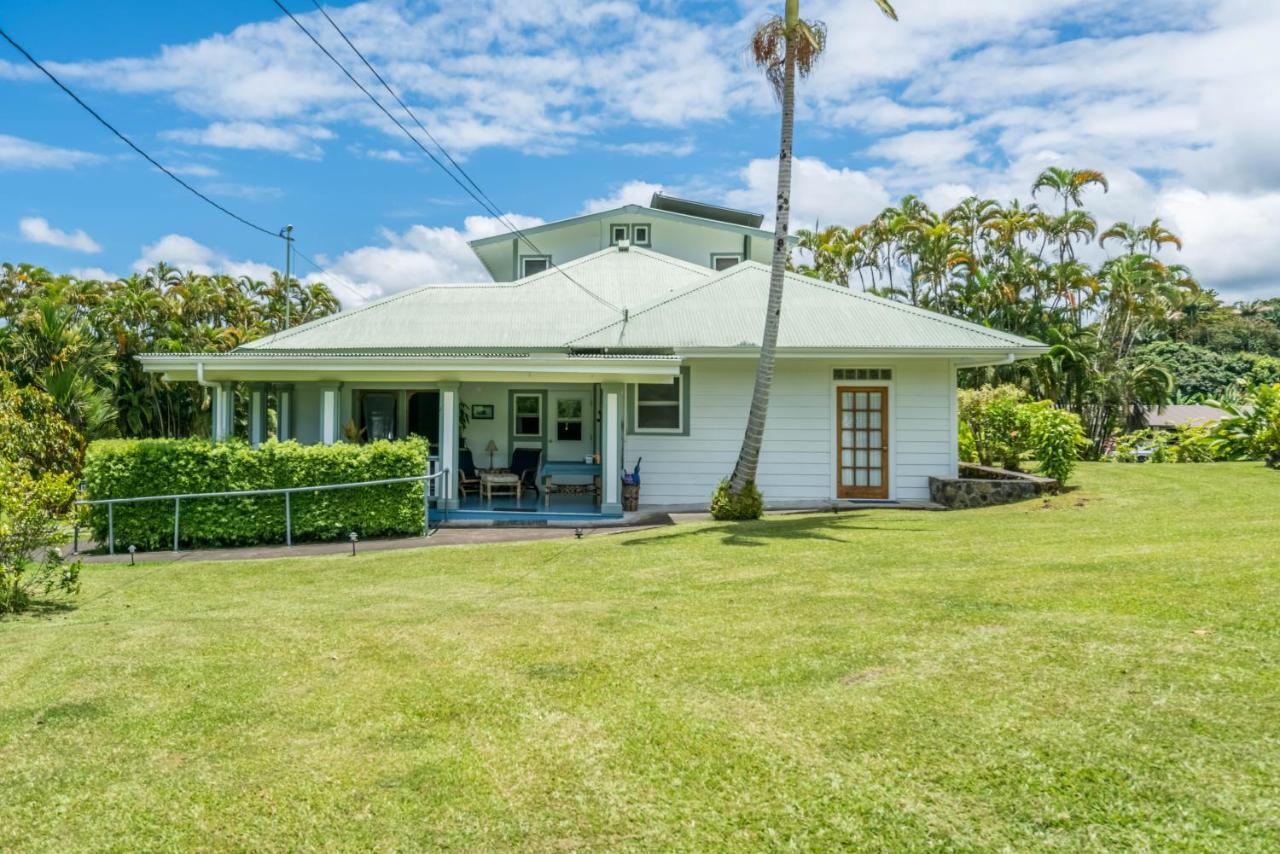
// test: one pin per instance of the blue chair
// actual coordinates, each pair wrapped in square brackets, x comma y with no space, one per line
[526,463]
[468,477]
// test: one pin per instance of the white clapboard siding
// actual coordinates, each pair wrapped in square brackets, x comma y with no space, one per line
[798,460]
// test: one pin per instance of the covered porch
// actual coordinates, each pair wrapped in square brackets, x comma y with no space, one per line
[555,421]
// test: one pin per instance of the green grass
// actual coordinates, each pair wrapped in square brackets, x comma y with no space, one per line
[1101,670]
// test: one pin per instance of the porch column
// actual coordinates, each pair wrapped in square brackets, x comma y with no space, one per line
[284,412]
[449,441]
[257,414]
[223,409]
[402,414]
[330,412]
[612,396]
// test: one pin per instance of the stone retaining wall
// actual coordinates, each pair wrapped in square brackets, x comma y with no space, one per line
[991,487]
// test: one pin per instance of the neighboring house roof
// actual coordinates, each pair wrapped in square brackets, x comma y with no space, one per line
[1195,415]
[659,304]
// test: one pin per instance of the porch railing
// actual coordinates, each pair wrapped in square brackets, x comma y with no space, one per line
[432,488]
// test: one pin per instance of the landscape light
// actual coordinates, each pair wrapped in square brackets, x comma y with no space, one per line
[132,549]
[352,536]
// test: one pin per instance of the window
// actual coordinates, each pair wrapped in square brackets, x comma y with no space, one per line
[724,262]
[619,232]
[530,264]
[659,407]
[640,234]
[569,420]
[528,415]
[862,374]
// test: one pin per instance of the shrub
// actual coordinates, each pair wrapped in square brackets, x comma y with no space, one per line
[1001,426]
[1252,429]
[996,425]
[33,435]
[31,530]
[121,468]
[727,507]
[1056,437]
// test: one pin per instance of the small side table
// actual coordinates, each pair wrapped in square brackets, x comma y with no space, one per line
[499,483]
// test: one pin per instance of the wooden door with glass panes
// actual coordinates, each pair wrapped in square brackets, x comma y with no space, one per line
[862,442]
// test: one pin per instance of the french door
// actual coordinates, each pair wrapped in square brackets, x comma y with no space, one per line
[862,442]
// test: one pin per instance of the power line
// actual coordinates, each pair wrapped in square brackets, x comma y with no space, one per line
[129,142]
[493,206]
[476,194]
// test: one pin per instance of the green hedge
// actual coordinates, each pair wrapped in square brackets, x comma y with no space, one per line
[123,468]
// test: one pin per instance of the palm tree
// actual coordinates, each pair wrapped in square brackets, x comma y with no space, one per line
[1069,184]
[782,47]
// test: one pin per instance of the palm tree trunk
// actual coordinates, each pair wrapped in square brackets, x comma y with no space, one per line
[749,456]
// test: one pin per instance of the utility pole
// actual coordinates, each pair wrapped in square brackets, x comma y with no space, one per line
[287,234]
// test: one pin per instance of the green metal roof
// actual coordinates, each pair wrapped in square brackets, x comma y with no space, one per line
[663,305]
[728,311]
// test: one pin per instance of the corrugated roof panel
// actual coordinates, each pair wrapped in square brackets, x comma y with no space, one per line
[728,311]
[540,311]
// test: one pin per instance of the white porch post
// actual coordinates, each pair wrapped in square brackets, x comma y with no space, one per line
[223,411]
[330,413]
[612,395]
[257,414]
[449,443]
[284,412]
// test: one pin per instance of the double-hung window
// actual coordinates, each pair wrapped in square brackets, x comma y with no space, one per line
[526,420]
[658,407]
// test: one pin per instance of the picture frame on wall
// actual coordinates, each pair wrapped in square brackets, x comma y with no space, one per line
[482,411]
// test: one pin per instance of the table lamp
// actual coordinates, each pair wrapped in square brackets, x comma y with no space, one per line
[492,448]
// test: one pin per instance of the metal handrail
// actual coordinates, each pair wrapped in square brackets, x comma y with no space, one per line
[286,491]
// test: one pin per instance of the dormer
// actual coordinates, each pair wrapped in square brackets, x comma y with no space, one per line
[696,232]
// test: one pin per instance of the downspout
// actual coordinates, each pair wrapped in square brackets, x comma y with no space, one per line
[200,376]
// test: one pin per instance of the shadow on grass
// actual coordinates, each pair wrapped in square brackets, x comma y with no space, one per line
[42,608]
[764,531]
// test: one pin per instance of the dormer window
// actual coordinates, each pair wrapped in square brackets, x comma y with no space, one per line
[640,234]
[619,232]
[725,261]
[531,264]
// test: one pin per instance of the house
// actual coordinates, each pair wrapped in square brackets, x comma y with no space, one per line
[1181,415]
[632,334]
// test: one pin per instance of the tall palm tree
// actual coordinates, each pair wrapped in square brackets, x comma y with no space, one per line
[1069,184]
[782,47]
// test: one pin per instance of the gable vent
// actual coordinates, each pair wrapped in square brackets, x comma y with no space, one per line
[862,374]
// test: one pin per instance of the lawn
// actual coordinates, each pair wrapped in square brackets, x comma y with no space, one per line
[1099,670]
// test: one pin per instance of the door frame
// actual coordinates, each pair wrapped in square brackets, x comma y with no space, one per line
[833,420]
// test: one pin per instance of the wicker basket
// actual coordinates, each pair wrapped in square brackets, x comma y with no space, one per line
[630,497]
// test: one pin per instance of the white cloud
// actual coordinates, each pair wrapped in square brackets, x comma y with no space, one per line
[419,255]
[656,148]
[18,153]
[926,148]
[93,274]
[188,254]
[296,140]
[38,230]
[819,193]
[630,193]
[1228,237]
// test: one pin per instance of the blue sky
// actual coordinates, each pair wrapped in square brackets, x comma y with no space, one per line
[560,107]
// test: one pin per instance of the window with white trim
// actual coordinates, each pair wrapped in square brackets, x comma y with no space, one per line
[527,416]
[640,234]
[724,262]
[618,232]
[658,407]
[530,264]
